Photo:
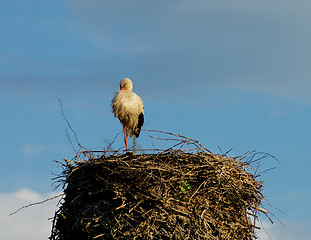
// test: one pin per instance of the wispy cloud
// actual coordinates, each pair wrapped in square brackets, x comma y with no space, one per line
[29,224]
[254,46]
[291,230]
[31,150]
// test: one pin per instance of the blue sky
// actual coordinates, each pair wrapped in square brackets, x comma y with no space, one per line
[232,74]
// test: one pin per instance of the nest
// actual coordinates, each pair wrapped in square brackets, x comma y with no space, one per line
[170,194]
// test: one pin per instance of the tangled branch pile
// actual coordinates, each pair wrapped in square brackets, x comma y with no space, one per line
[168,195]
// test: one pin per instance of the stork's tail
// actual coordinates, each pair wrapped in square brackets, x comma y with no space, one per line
[139,125]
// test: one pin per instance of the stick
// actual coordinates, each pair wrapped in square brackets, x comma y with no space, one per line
[36,203]
[259,209]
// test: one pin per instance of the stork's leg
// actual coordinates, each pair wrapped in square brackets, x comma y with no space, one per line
[125,138]
[134,145]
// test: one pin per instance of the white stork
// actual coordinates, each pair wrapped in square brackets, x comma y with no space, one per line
[129,108]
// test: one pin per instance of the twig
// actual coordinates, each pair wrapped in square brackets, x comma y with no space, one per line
[189,140]
[36,203]
[259,209]
[71,144]
[113,141]
[68,123]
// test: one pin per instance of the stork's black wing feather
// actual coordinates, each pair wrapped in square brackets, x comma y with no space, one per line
[140,123]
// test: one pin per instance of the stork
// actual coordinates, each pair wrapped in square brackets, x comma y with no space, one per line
[129,108]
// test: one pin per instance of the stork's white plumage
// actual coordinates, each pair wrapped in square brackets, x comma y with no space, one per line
[129,108]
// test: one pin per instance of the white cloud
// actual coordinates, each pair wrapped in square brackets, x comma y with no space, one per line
[290,231]
[30,223]
[28,195]
[31,150]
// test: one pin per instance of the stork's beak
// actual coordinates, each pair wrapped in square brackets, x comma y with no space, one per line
[121,88]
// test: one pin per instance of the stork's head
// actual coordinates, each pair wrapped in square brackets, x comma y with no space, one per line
[126,84]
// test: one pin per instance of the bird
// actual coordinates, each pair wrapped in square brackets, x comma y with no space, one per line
[129,108]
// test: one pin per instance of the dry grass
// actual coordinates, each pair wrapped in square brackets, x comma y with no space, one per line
[173,194]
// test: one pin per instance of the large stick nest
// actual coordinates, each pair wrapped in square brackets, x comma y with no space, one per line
[166,195]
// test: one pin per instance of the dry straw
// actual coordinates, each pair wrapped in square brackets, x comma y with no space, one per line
[178,193]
